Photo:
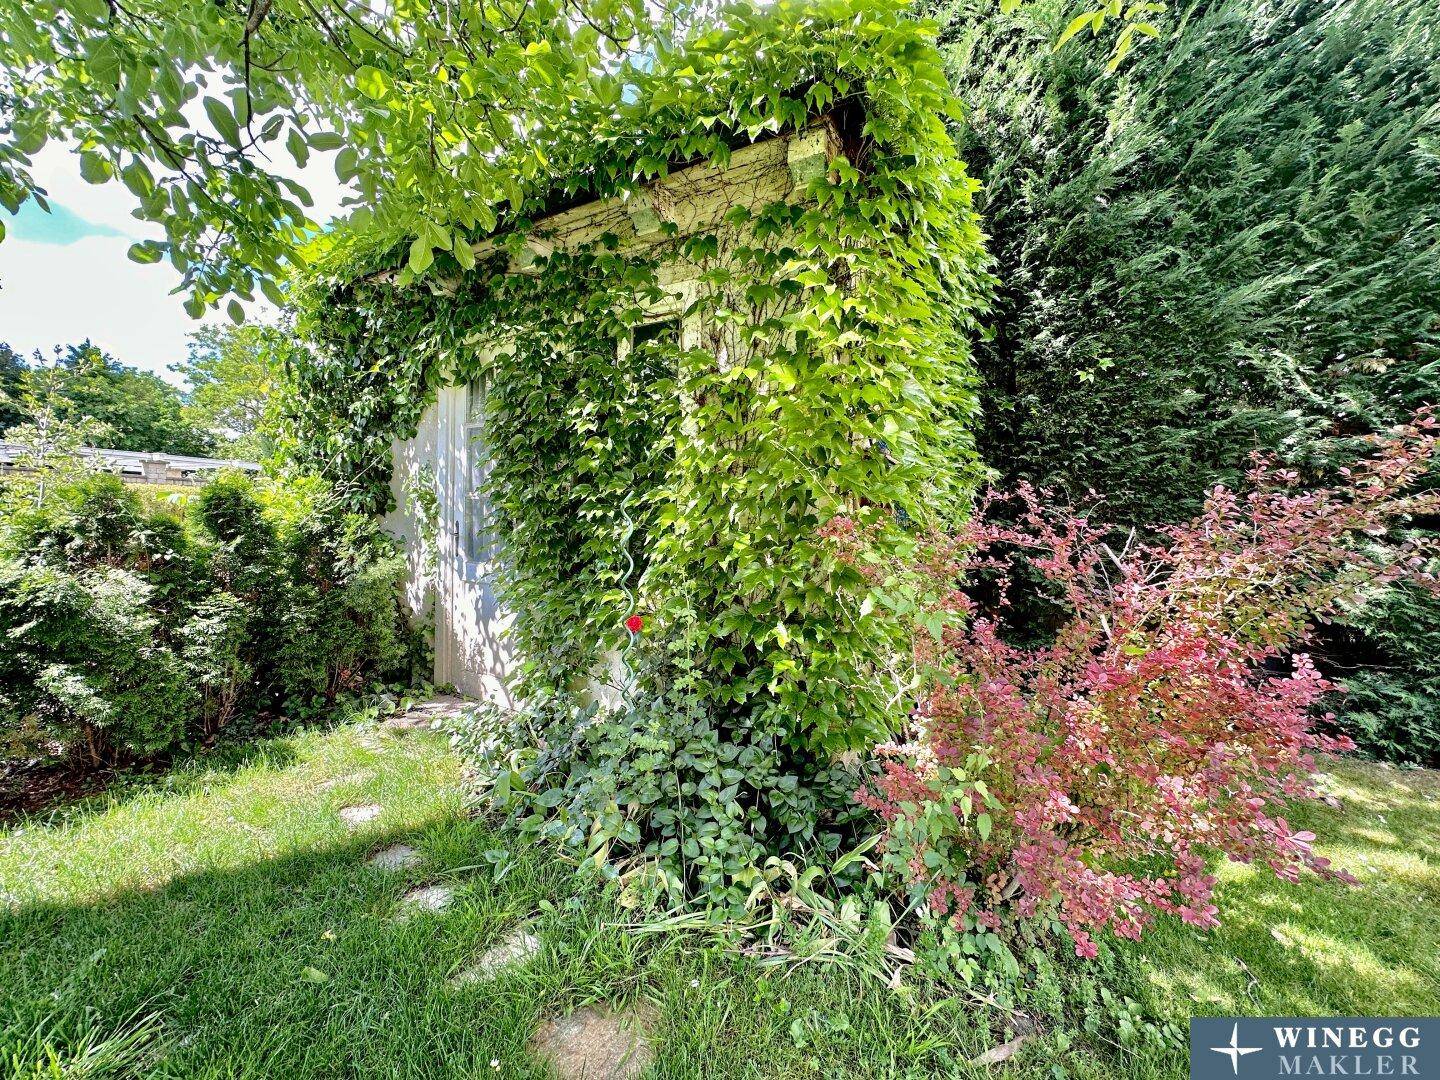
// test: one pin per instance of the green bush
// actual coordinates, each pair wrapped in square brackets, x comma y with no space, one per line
[341,631]
[93,521]
[1391,707]
[214,644]
[319,582]
[134,627]
[96,675]
[1233,245]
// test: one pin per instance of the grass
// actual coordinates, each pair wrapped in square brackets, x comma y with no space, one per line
[1326,949]
[221,922]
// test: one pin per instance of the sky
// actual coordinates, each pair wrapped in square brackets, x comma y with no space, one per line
[64,276]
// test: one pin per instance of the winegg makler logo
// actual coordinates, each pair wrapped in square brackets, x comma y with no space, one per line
[1265,1048]
[1236,1051]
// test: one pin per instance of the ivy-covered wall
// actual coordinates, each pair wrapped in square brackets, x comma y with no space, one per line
[827,374]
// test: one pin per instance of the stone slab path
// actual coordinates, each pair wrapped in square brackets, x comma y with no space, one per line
[359,815]
[346,780]
[429,897]
[596,1043]
[395,857]
[516,948]
[427,713]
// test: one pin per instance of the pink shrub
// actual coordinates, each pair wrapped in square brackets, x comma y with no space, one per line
[1090,777]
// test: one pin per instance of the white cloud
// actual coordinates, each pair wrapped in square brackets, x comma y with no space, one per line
[57,170]
[51,295]
[55,295]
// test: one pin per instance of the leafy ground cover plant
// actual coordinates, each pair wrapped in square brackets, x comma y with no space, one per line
[682,800]
[1086,781]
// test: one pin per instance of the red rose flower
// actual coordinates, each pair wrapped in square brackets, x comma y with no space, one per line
[634,624]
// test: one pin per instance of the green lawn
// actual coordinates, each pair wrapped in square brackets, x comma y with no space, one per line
[221,922]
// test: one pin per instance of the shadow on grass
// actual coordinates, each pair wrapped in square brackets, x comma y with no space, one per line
[1322,947]
[43,794]
[298,966]
[305,965]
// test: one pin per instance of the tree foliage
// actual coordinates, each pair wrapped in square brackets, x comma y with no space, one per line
[12,388]
[436,111]
[110,403]
[233,373]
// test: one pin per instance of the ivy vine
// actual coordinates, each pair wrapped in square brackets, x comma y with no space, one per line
[827,373]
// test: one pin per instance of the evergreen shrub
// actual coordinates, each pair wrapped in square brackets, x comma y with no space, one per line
[137,626]
[1231,245]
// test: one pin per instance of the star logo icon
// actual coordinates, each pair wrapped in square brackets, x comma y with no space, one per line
[1234,1051]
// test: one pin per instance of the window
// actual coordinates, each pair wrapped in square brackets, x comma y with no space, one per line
[648,364]
[479,539]
[666,332]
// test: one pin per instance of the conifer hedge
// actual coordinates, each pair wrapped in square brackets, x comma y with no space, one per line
[1232,245]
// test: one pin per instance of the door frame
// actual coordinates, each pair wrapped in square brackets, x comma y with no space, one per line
[470,624]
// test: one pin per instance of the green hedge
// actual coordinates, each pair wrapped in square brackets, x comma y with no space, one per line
[136,626]
[1233,245]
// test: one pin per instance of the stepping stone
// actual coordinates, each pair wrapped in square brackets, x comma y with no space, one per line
[395,857]
[595,1043]
[429,898]
[517,947]
[408,722]
[427,713]
[358,815]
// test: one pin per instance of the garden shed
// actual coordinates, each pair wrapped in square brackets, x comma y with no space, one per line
[716,321]
[457,579]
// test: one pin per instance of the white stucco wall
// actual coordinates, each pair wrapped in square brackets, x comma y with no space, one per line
[413,459]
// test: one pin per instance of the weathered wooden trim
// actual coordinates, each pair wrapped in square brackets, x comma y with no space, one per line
[689,200]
